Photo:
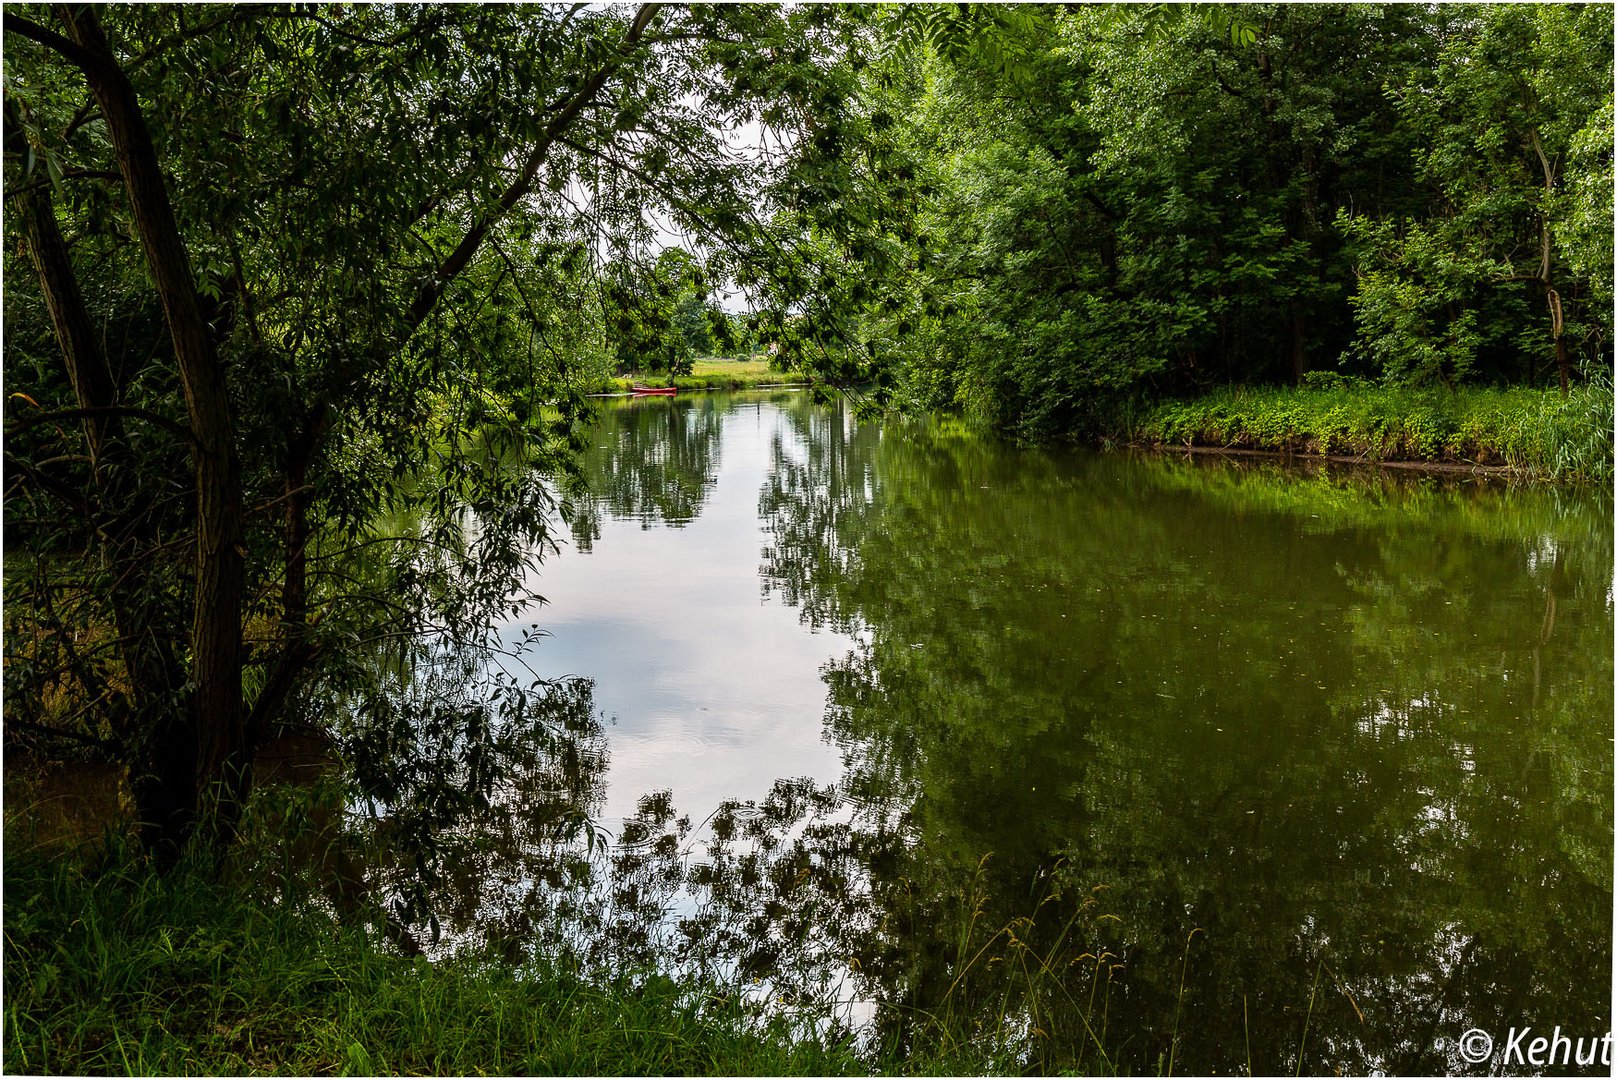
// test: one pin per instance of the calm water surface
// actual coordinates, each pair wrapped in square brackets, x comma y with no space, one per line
[1317,763]
[713,689]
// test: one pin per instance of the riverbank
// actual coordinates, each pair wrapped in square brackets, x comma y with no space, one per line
[1535,433]
[110,968]
[710,374]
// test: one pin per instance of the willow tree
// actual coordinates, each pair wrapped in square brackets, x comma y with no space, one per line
[297,339]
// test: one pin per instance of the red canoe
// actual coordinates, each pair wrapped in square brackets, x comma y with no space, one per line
[653,389]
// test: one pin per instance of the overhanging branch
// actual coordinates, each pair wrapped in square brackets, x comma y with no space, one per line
[79,57]
[94,413]
[429,294]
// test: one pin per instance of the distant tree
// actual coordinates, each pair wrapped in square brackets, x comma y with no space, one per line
[1076,207]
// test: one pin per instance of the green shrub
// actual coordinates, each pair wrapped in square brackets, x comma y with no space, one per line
[1536,432]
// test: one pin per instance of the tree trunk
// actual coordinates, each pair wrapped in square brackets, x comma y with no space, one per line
[1563,364]
[160,753]
[218,782]
[1299,344]
[297,651]
[1552,298]
[87,371]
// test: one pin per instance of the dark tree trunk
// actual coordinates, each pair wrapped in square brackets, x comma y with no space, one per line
[1299,344]
[162,756]
[87,371]
[217,783]
[297,651]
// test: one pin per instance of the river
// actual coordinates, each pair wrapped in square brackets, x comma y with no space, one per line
[1132,762]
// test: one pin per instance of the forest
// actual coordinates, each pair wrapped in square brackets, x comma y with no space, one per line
[304,306]
[1104,206]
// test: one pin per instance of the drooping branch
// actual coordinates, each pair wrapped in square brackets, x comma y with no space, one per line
[71,51]
[99,413]
[66,174]
[427,298]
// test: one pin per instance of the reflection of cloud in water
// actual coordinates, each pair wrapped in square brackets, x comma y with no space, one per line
[706,689]
[711,720]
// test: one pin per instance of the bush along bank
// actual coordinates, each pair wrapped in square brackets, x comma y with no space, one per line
[1537,433]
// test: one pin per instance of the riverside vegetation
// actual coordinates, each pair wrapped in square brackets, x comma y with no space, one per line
[113,965]
[113,968]
[1547,435]
[303,309]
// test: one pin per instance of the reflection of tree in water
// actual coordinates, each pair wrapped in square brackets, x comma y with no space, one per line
[1344,735]
[452,858]
[1319,719]
[532,839]
[649,460]
[820,482]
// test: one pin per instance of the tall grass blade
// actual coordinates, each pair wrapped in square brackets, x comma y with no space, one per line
[1184,966]
[1303,1044]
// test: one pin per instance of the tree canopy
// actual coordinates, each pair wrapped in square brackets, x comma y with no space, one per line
[1097,204]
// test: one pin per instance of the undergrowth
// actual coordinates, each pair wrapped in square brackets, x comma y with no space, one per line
[1534,432]
[111,968]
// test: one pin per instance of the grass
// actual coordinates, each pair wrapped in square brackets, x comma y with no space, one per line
[1533,432]
[110,968]
[711,373]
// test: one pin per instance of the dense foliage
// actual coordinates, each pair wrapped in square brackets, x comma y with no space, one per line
[301,307]
[1097,204]
[303,304]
